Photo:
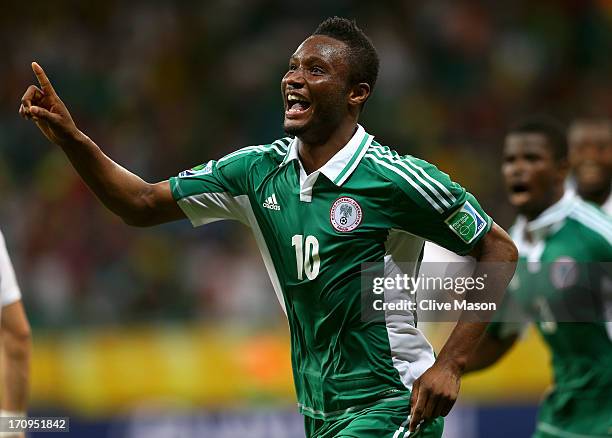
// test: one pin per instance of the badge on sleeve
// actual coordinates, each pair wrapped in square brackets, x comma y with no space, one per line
[202,169]
[466,222]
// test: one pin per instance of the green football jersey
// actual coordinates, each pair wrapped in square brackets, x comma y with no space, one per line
[367,204]
[556,282]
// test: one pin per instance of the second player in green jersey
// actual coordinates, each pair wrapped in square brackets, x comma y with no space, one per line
[565,246]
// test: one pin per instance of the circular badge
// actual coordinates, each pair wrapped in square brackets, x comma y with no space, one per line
[345,214]
[564,272]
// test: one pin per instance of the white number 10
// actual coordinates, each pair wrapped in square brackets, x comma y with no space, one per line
[303,258]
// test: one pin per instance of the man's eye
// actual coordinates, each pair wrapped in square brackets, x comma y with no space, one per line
[317,70]
[532,157]
[292,67]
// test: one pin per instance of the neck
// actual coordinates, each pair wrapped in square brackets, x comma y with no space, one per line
[314,153]
[599,197]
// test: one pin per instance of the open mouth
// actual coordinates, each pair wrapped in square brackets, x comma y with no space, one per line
[297,104]
[519,188]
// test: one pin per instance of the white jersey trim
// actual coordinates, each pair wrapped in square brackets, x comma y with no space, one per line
[245,203]
[205,208]
[409,180]
[411,353]
[387,156]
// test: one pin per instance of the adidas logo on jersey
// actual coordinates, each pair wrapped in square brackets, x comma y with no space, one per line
[271,203]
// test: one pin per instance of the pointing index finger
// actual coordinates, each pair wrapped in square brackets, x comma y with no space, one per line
[43,80]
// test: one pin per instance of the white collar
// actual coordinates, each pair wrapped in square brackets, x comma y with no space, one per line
[344,162]
[548,221]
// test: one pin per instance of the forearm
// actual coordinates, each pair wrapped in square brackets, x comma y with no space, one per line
[460,345]
[16,373]
[124,193]
[121,191]
[489,350]
[496,256]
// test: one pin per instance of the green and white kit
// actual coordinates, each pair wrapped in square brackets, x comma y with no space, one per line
[565,240]
[365,205]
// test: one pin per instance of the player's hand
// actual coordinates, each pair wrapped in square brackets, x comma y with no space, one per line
[434,393]
[45,108]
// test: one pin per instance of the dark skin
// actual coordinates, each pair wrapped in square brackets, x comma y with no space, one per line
[534,180]
[590,153]
[321,109]
[318,74]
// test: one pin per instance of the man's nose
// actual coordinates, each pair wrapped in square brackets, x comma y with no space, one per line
[295,79]
[517,168]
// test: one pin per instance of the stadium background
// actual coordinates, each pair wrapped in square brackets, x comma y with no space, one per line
[176,332]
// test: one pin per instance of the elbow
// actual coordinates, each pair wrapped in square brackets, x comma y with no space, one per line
[502,245]
[18,344]
[141,212]
[512,253]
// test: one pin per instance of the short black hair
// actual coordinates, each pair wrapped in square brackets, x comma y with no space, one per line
[549,127]
[364,60]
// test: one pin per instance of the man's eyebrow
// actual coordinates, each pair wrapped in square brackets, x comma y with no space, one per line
[312,59]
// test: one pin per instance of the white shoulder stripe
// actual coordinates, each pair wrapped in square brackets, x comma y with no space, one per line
[250,149]
[402,161]
[283,143]
[594,214]
[399,162]
[410,181]
[435,181]
[408,159]
[593,211]
[594,223]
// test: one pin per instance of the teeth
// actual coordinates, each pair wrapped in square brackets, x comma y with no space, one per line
[294,98]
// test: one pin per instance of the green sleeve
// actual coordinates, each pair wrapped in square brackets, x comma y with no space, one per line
[434,207]
[212,191]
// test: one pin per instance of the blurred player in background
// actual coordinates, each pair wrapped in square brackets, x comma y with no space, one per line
[320,205]
[557,234]
[590,153]
[15,341]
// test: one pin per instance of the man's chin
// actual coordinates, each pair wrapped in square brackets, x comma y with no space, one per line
[295,129]
[593,184]
[520,201]
[593,190]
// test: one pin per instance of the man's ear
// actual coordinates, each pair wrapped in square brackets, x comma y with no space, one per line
[358,94]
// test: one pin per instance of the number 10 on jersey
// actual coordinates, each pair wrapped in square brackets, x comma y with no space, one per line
[306,256]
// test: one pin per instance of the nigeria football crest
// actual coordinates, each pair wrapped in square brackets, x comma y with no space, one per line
[345,214]
[564,272]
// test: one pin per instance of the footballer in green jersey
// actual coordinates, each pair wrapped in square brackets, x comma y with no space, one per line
[322,203]
[561,240]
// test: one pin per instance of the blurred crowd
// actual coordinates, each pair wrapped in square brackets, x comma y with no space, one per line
[162,86]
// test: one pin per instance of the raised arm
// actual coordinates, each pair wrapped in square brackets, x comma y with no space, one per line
[136,201]
[435,392]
